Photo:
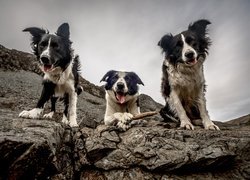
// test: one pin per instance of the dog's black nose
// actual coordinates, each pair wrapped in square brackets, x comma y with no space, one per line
[45,60]
[120,85]
[189,54]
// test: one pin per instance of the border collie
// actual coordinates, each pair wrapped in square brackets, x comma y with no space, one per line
[61,72]
[183,83]
[121,98]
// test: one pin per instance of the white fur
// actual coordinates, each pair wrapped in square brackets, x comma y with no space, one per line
[58,76]
[187,48]
[121,79]
[120,114]
[65,84]
[49,115]
[46,52]
[187,83]
[65,120]
[72,109]
[32,114]
[64,81]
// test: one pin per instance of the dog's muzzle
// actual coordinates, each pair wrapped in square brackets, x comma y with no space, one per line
[46,63]
[120,95]
[190,58]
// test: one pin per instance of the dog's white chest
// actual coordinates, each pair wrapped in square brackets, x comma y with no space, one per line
[64,81]
[187,83]
[67,87]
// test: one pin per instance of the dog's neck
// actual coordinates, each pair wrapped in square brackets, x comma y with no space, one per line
[58,75]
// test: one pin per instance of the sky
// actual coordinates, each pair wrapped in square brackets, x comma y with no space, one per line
[123,35]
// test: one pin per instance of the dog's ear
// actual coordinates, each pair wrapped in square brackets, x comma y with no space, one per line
[36,33]
[200,27]
[165,42]
[108,75]
[136,78]
[63,31]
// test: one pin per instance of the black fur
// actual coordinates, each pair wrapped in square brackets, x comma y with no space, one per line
[60,56]
[196,37]
[110,77]
[131,79]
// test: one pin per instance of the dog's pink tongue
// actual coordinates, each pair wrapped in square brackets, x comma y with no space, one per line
[47,68]
[120,98]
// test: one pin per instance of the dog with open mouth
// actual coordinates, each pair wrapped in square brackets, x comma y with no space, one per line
[183,83]
[61,72]
[121,98]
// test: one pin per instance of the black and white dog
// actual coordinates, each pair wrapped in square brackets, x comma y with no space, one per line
[61,72]
[183,83]
[121,98]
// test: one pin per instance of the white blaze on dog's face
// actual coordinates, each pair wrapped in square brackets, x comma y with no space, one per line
[121,86]
[189,54]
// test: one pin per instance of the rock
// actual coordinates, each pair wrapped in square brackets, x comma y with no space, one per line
[151,149]
[27,147]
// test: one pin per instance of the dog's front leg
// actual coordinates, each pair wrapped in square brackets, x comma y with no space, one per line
[118,119]
[123,120]
[47,92]
[52,110]
[176,106]
[206,121]
[109,118]
[72,109]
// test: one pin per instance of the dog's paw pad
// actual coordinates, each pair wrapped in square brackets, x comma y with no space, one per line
[49,115]
[32,114]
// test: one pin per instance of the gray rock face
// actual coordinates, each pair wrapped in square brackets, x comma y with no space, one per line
[151,149]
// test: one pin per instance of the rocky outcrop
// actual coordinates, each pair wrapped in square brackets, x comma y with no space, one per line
[151,149]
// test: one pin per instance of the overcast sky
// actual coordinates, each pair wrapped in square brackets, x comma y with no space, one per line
[123,35]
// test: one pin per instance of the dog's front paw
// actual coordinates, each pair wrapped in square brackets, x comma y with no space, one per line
[126,119]
[65,120]
[32,114]
[73,124]
[187,125]
[118,116]
[72,121]
[211,126]
[123,126]
[49,115]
